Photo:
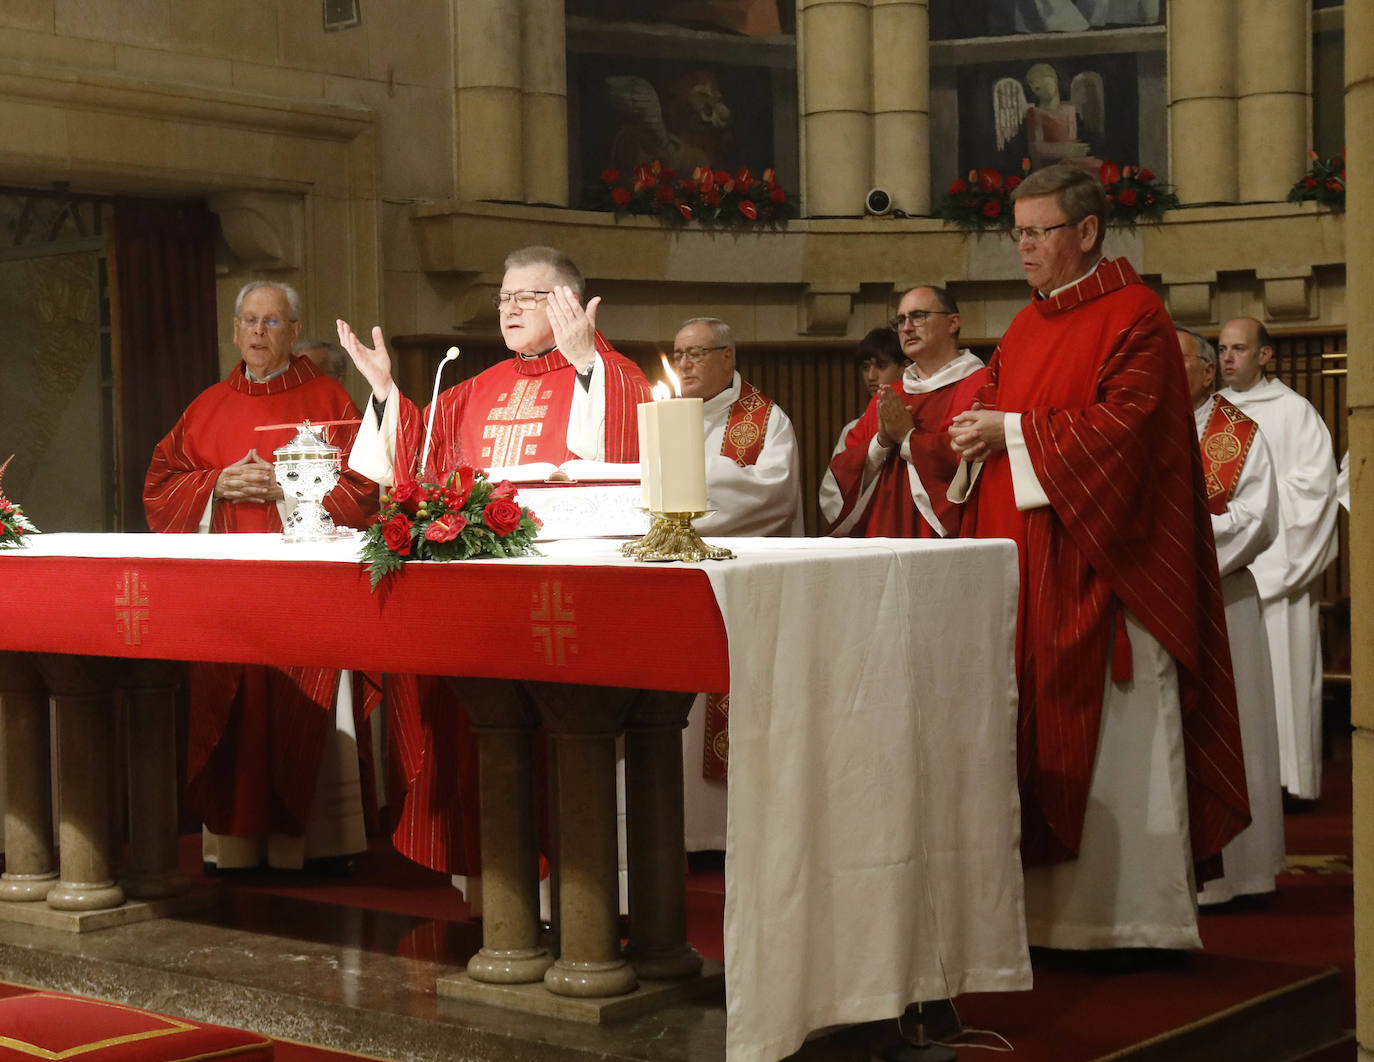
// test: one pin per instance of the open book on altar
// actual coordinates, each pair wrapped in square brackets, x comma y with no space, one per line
[580,499]
[574,471]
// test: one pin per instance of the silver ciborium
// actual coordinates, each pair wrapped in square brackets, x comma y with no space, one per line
[307,468]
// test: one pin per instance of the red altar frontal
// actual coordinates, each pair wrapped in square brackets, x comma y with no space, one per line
[872,835]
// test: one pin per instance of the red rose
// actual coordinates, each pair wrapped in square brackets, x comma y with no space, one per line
[446,528]
[992,209]
[665,193]
[1146,175]
[1126,197]
[721,176]
[408,496]
[748,210]
[711,197]
[1309,182]
[610,175]
[504,489]
[396,535]
[958,188]
[991,180]
[776,195]
[1012,182]
[502,515]
[621,196]
[666,174]
[1110,173]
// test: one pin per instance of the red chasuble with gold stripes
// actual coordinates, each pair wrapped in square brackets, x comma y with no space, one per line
[517,412]
[238,711]
[1225,444]
[1097,375]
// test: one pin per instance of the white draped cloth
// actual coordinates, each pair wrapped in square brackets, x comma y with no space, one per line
[763,499]
[1287,572]
[1248,526]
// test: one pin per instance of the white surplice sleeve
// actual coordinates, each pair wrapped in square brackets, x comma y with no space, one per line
[1250,523]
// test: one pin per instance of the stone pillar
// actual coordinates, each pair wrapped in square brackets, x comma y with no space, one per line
[150,689]
[489,104]
[1274,90]
[29,872]
[654,833]
[836,52]
[901,102]
[504,720]
[584,722]
[82,692]
[544,61]
[1202,101]
[1359,256]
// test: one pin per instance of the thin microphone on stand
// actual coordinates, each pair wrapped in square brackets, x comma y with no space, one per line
[451,355]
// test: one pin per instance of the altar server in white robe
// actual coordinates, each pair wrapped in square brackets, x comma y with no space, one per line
[1243,496]
[753,482]
[1287,572]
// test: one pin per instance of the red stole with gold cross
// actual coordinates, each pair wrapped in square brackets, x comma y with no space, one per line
[1225,444]
[747,426]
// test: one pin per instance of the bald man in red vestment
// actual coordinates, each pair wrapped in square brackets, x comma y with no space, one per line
[897,464]
[565,394]
[1085,454]
[213,472]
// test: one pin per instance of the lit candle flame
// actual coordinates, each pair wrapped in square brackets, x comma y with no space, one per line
[661,392]
[673,378]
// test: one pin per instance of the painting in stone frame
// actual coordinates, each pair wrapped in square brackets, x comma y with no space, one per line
[629,110]
[1081,110]
[954,19]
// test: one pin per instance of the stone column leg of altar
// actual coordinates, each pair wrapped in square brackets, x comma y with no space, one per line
[29,872]
[150,688]
[505,720]
[653,809]
[584,722]
[82,690]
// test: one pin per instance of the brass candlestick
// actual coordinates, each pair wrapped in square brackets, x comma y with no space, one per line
[672,537]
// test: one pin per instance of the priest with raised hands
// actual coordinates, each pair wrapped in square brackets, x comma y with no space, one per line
[1086,456]
[261,738]
[1243,497]
[895,469]
[1288,571]
[565,394]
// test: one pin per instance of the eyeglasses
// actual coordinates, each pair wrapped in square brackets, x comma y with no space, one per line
[1033,234]
[270,323]
[526,300]
[915,317]
[693,355]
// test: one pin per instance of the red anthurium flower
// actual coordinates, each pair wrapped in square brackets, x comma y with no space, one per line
[958,188]
[748,210]
[1109,172]
[610,175]
[621,196]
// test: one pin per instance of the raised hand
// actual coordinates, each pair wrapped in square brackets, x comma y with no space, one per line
[373,362]
[574,327]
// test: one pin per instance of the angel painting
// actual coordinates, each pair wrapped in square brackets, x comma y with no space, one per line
[1051,125]
[690,127]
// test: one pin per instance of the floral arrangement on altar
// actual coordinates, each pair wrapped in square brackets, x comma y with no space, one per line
[1323,183]
[712,197]
[14,525]
[465,516]
[983,201]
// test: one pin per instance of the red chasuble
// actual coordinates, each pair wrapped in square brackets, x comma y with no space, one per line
[1096,373]
[238,711]
[513,413]
[517,412]
[889,510]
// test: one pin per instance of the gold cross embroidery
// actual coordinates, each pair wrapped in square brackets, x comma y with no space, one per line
[553,623]
[520,419]
[131,608]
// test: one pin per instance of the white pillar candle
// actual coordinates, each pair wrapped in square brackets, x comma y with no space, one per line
[681,450]
[648,456]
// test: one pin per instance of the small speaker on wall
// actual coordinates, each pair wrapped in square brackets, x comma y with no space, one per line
[342,14]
